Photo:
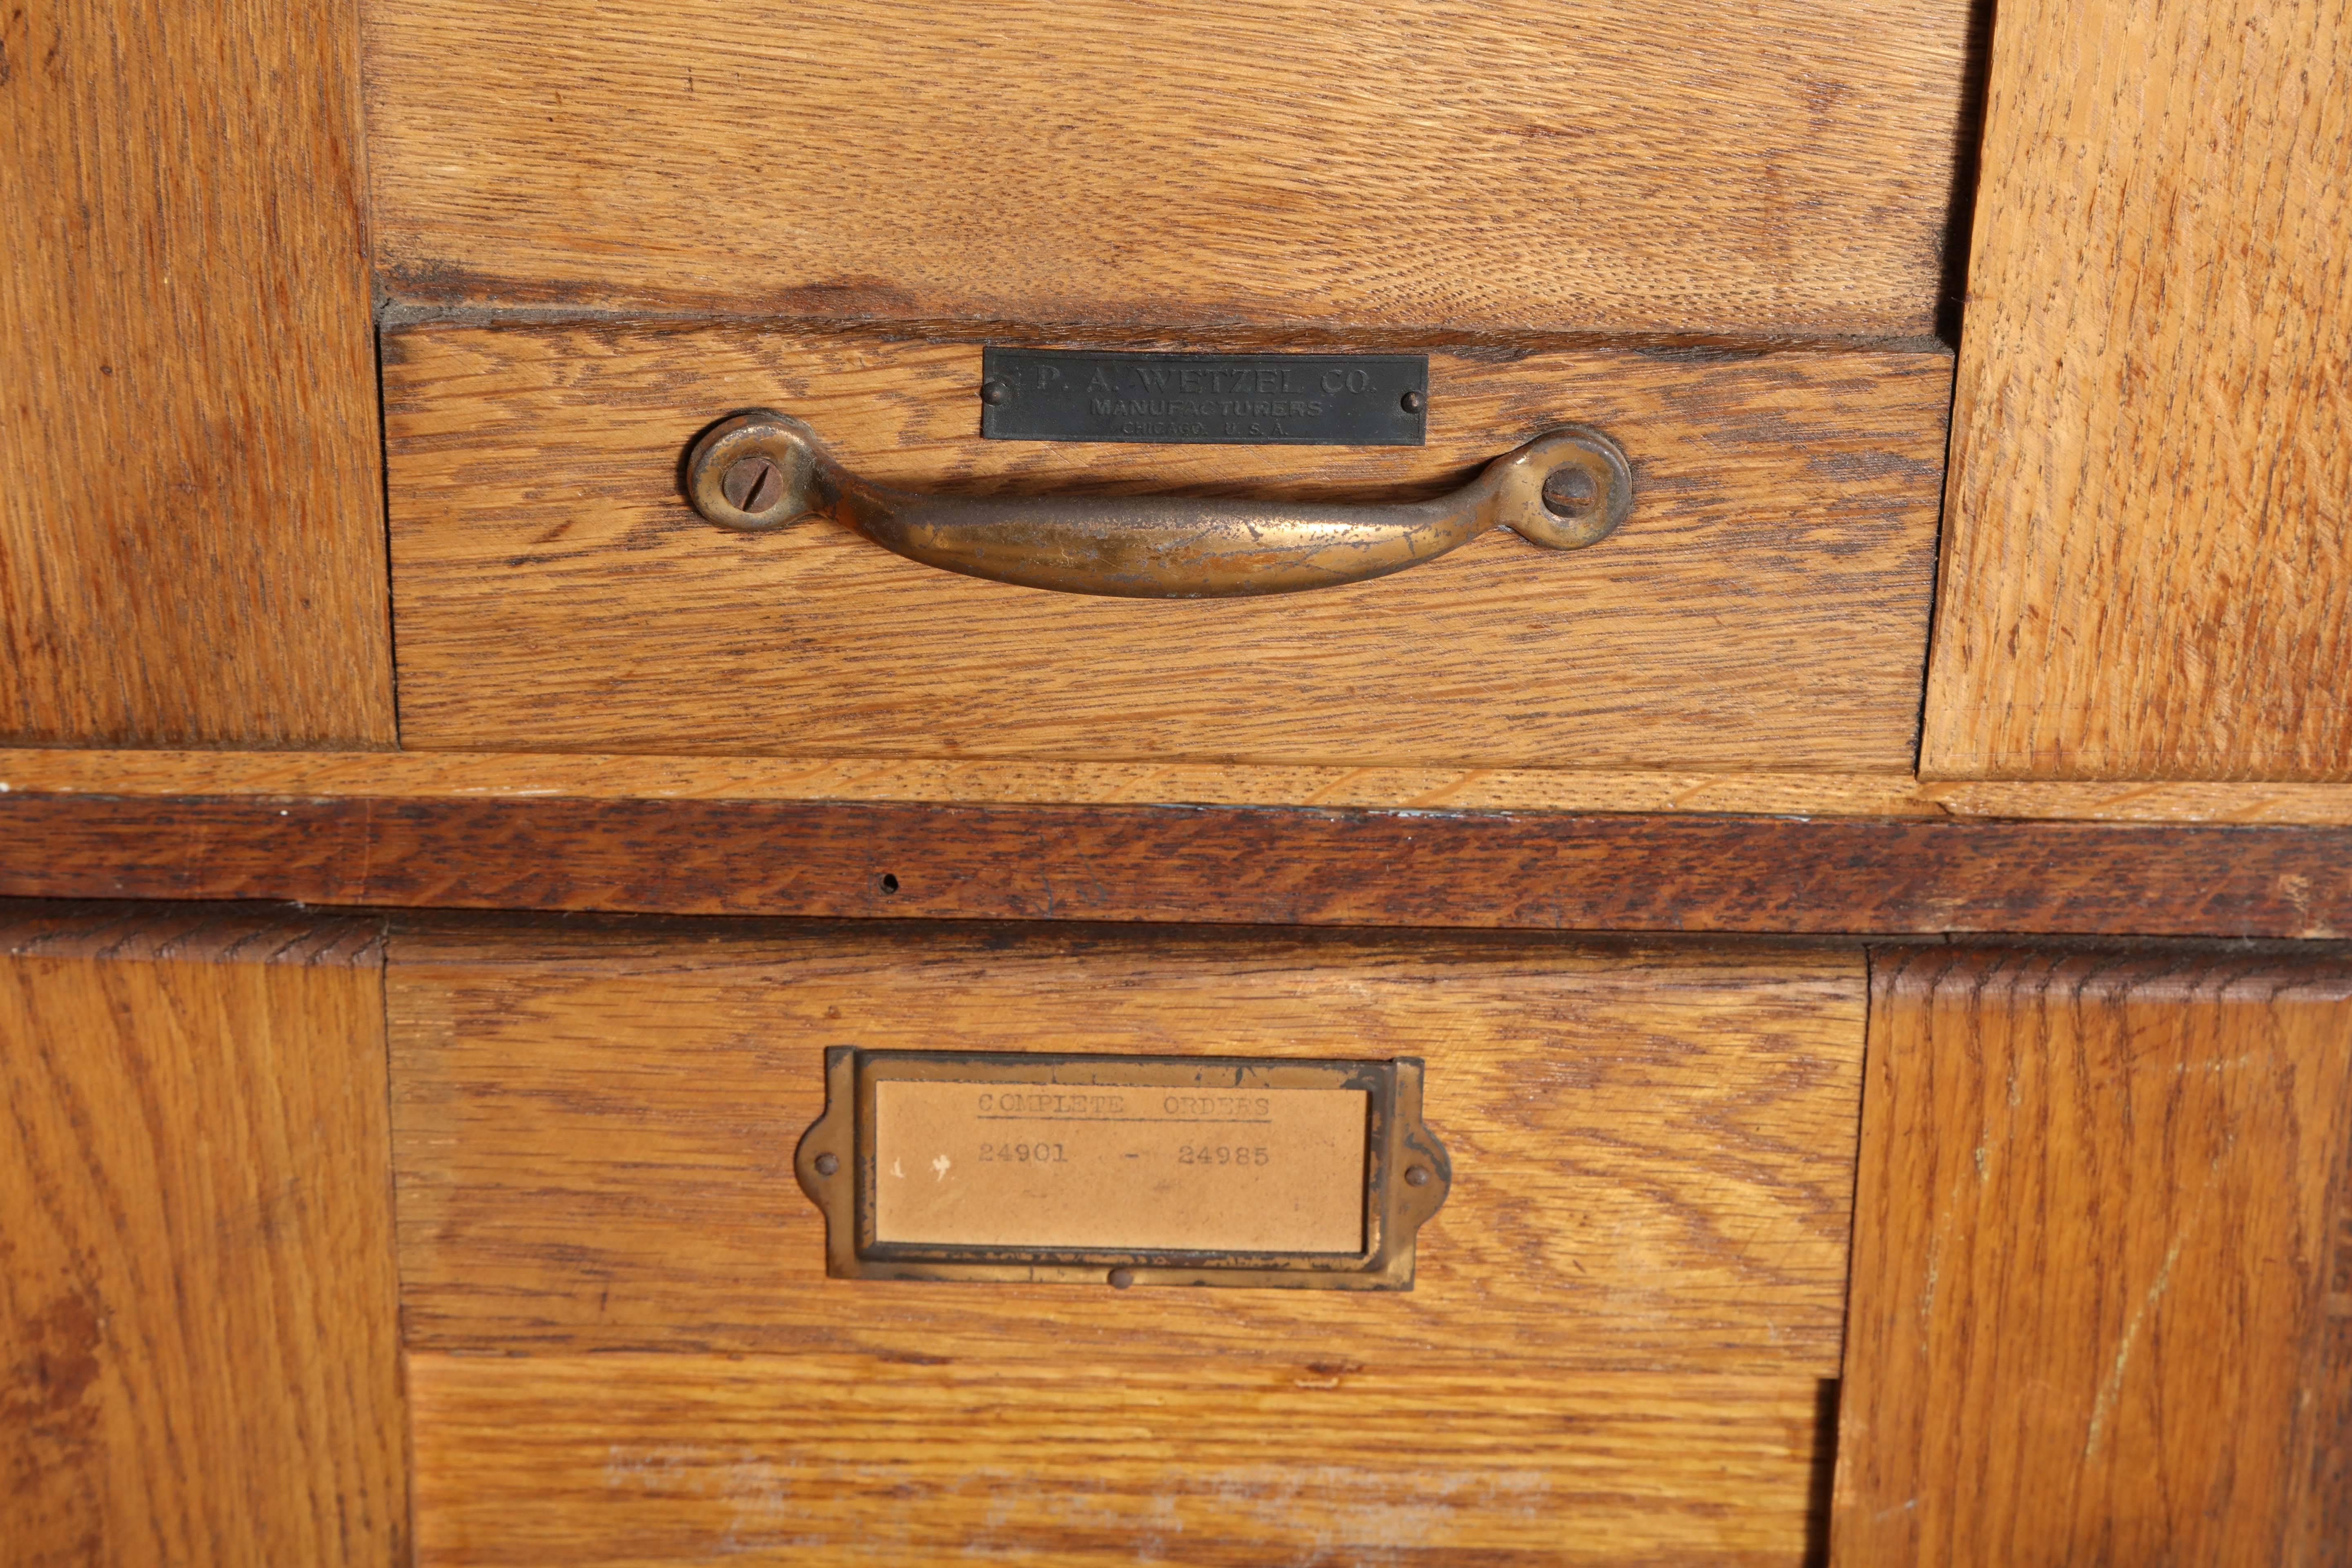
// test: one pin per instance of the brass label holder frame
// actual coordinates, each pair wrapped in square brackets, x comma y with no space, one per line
[1405,1173]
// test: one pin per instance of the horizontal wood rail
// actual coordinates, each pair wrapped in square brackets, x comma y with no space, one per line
[469,847]
[997,781]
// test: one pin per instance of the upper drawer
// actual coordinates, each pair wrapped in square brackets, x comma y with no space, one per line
[1764,607]
[1505,165]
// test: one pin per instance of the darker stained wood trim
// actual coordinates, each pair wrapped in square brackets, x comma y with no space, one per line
[1285,866]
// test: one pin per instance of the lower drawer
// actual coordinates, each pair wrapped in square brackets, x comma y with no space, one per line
[1620,1344]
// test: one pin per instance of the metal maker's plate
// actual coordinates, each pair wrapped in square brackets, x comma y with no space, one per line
[1134,1170]
[1243,400]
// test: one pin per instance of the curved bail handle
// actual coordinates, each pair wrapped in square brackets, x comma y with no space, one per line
[762,470]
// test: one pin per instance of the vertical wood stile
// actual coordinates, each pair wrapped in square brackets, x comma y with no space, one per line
[2147,557]
[192,543]
[197,1296]
[2097,1311]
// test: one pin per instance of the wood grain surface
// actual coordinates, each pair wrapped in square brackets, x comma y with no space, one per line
[422,775]
[1653,1149]
[1504,165]
[191,511]
[1063,1458]
[2103,1232]
[1765,608]
[1614,1345]
[1549,871]
[196,1283]
[2146,572]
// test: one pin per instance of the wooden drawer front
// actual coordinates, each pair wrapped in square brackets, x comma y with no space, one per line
[1488,164]
[1616,1347]
[1766,606]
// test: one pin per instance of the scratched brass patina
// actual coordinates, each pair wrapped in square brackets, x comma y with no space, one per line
[1129,1170]
[764,471]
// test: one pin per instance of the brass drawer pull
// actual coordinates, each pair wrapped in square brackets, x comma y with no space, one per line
[763,471]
